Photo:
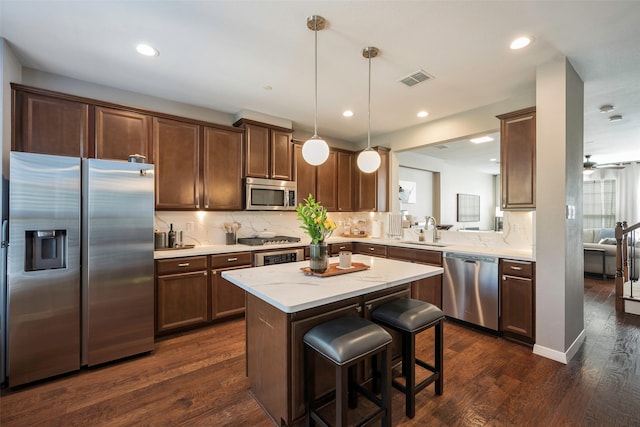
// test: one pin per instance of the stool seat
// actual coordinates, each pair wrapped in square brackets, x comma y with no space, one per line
[407,314]
[347,338]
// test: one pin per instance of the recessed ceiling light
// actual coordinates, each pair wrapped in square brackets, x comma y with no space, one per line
[146,50]
[348,113]
[423,114]
[521,42]
[493,160]
[615,118]
[607,108]
[481,139]
[267,87]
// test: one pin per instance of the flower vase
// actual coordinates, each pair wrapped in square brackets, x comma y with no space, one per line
[318,257]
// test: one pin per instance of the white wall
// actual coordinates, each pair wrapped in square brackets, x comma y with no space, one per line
[11,71]
[559,270]
[423,205]
[454,180]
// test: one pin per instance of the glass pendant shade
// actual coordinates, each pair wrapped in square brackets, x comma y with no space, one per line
[369,160]
[315,151]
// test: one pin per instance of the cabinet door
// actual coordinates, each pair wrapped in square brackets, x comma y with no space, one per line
[345,182]
[517,306]
[181,300]
[518,159]
[370,249]
[257,162]
[281,154]
[120,133]
[227,299]
[176,148]
[304,175]
[372,189]
[327,183]
[48,125]
[222,169]
[428,290]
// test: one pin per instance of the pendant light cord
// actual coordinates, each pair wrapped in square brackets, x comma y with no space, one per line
[369,111]
[315,120]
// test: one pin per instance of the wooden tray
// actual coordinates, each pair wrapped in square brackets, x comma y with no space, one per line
[333,269]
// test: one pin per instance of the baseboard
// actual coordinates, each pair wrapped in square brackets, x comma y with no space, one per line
[559,356]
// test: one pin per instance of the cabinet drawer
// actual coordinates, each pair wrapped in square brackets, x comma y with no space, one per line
[517,268]
[402,254]
[429,257]
[180,265]
[371,249]
[231,260]
[337,247]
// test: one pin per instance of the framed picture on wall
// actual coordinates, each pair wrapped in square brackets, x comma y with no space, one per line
[468,208]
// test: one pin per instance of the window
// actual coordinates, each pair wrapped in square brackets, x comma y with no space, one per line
[599,204]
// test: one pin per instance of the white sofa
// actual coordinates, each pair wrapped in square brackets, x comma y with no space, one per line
[602,239]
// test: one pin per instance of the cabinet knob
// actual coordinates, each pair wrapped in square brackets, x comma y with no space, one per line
[516,268]
[183,264]
[358,309]
[369,307]
[231,259]
[372,249]
[206,206]
[205,274]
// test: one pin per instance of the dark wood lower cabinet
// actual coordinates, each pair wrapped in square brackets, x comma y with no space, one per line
[275,350]
[517,300]
[429,289]
[227,299]
[182,300]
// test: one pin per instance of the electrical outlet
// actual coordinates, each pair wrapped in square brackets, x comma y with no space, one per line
[190,226]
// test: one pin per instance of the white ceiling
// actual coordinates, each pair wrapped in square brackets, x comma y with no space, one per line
[221,55]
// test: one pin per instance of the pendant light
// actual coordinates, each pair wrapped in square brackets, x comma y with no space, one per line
[315,150]
[369,159]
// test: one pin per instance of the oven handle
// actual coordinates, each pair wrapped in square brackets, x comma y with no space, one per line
[258,257]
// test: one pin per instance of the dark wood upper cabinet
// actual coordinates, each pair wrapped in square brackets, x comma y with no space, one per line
[120,133]
[327,182]
[176,146]
[50,125]
[268,150]
[372,189]
[304,175]
[222,169]
[345,181]
[518,159]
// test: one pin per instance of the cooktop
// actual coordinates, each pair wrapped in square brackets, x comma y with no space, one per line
[260,241]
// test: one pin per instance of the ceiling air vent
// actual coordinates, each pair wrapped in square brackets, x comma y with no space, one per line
[415,78]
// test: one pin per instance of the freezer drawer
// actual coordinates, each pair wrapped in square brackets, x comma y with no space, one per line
[470,289]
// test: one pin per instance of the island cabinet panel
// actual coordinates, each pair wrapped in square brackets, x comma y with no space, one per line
[50,125]
[181,293]
[518,159]
[176,147]
[372,189]
[370,249]
[430,288]
[227,299]
[222,169]
[517,294]
[120,133]
[345,182]
[269,153]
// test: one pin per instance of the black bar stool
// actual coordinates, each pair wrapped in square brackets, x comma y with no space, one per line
[410,317]
[344,342]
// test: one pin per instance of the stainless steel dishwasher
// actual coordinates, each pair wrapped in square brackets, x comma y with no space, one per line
[470,289]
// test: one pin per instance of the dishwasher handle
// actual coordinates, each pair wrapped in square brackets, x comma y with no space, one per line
[471,258]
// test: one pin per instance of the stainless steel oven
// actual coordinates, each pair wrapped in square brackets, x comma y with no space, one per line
[280,256]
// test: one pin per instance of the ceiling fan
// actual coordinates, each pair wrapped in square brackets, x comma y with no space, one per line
[590,167]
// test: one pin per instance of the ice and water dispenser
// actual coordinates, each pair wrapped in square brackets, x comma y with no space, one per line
[45,249]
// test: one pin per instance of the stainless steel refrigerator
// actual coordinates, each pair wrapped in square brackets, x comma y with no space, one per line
[80,264]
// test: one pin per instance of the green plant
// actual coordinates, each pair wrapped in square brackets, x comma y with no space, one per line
[315,221]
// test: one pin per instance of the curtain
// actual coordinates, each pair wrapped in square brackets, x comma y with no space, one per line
[599,203]
[629,191]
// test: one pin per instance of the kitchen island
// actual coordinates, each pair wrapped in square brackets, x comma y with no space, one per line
[283,304]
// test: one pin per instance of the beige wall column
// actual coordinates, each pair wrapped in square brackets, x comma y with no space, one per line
[559,254]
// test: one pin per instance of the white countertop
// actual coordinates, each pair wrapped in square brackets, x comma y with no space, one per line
[287,288]
[504,252]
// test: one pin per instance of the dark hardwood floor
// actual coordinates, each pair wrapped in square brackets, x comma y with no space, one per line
[197,379]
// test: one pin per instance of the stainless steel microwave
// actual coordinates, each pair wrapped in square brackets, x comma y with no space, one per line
[270,195]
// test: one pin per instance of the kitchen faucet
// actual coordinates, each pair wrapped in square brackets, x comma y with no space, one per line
[429,219]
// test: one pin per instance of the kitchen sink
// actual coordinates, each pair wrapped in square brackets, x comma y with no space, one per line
[413,242]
